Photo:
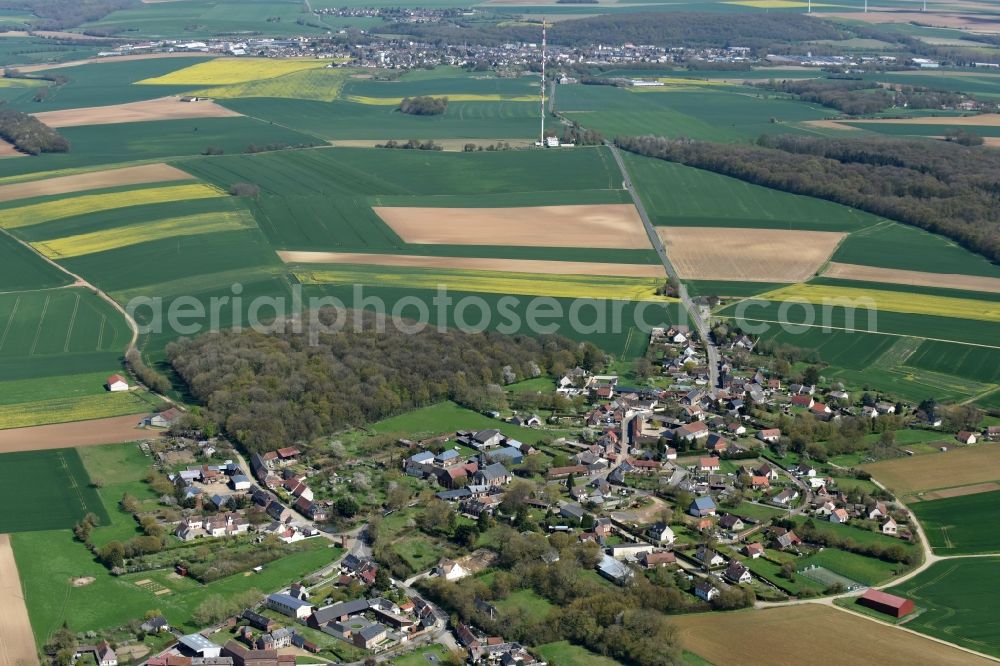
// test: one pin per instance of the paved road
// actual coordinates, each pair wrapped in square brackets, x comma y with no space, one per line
[712,350]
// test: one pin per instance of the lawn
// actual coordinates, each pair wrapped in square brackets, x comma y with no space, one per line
[532,606]
[48,561]
[564,653]
[865,570]
[420,656]
[958,598]
[446,418]
[961,525]
[121,468]
[45,490]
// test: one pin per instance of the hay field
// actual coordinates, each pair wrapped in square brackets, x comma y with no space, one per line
[912,278]
[23,216]
[474,263]
[723,638]
[751,255]
[613,226]
[164,108]
[118,237]
[933,471]
[17,643]
[224,71]
[889,301]
[489,282]
[93,180]
[452,97]
[72,409]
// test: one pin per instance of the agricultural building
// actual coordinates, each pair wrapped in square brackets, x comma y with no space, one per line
[886,603]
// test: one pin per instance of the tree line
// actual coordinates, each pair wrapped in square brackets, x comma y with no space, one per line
[269,390]
[29,134]
[860,97]
[943,187]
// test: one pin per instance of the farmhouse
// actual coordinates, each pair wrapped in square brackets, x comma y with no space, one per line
[966,437]
[165,419]
[769,435]
[702,506]
[886,603]
[290,606]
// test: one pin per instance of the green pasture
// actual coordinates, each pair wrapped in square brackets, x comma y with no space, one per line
[75,408]
[564,653]
[979,363]
[865,570]
[447,417]
[847,349]
[958,602]
[682,196]
[45,490]
[49,561]
[961,525]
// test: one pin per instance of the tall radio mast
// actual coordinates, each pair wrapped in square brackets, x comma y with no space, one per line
[541,138]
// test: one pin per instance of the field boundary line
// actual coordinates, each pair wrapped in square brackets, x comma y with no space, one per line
[10,321]
[41,322]
[72,322]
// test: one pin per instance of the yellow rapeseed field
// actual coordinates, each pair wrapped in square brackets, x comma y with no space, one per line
[889,301]
[224,71]
[322,85]
[24,216]
[454,97]
[491,282]
[110,239]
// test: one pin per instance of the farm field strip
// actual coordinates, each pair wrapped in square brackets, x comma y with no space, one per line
[223,71]
[890,301]
[93,180]
[66,410]
[23,216]
[493,282]
[118,237]
[58,322]
[962,524]
[92,432]
[452,97]
[613,226]
[719,253]
[165,108]
[17,642]
[46,490]
[721,638]
[511,265]
[323,85]
[913,475]
[912,278]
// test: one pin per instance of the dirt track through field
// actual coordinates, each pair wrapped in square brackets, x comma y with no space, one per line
[614,226]
[17,643]
[473,263]
[114,430]
[164,108]
[147,173]
[751,255]
[811,628]
[912,278]
[978,23]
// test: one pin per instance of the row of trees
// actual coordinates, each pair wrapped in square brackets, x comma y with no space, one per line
[412,144]
[942,187]
[267,390]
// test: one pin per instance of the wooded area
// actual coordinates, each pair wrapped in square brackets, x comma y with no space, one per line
[944,187]
[859,97]
[269,390]
[424,105]
[29,134]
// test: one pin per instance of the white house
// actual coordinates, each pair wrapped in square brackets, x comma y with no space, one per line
[662,534]
[890,527]
[117,383]
[165,419]
[705,590]
[839,516]
[451,570]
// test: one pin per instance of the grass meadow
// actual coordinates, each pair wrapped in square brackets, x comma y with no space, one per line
[961,525]
[958,598]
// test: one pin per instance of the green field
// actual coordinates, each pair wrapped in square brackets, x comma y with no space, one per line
[683,196]
[45,490]
[979,363]
[713,113]
[447,417]
[22,269]
[846,349]
[958,598]
[961,525]
[865,570]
